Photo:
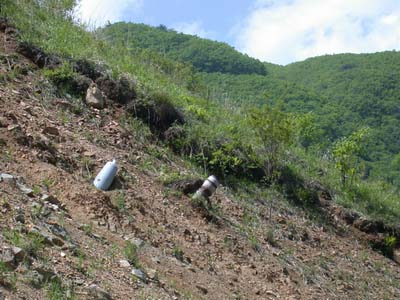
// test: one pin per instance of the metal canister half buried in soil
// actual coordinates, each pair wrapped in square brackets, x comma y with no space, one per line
[106,176]
[209,187]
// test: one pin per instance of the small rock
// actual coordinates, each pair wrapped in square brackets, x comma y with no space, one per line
[19,215]
[94,97]
[47,237]
[35,279]
[45,272]
[51,131]
[57,241]
[13,127]
[26,190]
[187,186]
[79,281]
[3,122]
[124,263]
[19,254]
[8,258]
[138,242]
[7,178]
[63,254]
[156,260]
[139,274]
[59,231]
[152,274]
[396,256]
[202,289]
[98,293]
[89,153]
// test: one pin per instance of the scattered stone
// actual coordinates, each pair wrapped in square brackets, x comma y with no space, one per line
[63,254]
[19,254]
[19,215]
[138,242]
[47,237]
[396,256]
[94,97]
[8,258]
[7,178]
[139,274]
[156,260]
[79,281]
[3,122]
[46,273]
[152,274]
[124,263]
[89,154]
[24,189]
[51,131]
[59,231]
[187,186]
[202,289]
[51,199]
[98,293]
[57,241]
[35,279]
[13,127]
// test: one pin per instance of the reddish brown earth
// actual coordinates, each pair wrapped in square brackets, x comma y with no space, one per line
[245,255]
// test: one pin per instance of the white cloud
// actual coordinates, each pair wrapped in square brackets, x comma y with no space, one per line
[98,12]
[193,28]
[290,30]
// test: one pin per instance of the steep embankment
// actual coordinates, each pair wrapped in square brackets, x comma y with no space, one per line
[84,243]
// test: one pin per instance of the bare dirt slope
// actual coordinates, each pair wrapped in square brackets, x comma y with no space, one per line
[73,242]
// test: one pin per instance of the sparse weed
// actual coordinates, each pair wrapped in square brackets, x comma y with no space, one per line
[47,183]
[87,166]
[140,132]
[178,253]
[270,238]
[8,278]
[119,202]
[36,190]
[32,243]
[88,229]
[130,252]
[56,290]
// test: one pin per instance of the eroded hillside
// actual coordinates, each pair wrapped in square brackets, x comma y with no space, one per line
[72,241]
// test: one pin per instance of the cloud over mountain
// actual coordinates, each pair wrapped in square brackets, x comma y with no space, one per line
[292,30]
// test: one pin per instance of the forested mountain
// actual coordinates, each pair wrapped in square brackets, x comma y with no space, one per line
[363,90]
[205,55]
[344,92]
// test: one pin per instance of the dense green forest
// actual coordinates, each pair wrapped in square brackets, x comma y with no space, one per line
[203,54]
[343,92]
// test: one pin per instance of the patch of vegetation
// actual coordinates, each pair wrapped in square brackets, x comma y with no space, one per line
[56,290]
[119,202]
[177,252]
[130,252]
[8,278]
[32,243]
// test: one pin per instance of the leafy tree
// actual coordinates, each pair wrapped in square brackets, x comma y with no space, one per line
[346,151]
[274,131]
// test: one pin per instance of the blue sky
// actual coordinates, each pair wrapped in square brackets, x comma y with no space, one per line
[209,17]
[278,31]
